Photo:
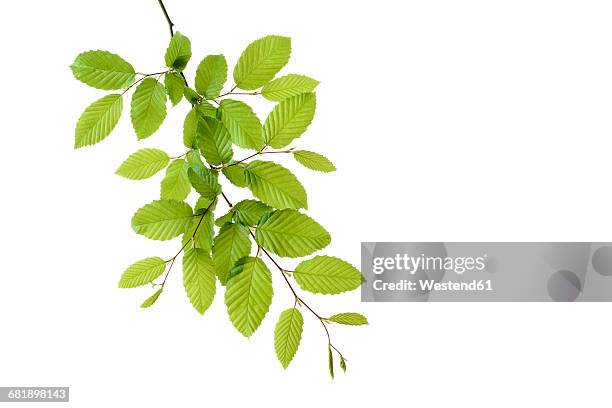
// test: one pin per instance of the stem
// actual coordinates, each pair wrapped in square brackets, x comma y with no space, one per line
[257,154]
[170,23]
[141,79]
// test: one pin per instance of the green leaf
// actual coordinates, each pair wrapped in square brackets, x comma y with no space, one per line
[327,275]
[352,319]
[162,219]
[176,185]
[152,299]
[103,70]
[314,161]
[292,234]
[330,361]
[242,124]
[203,236]
[249,212]
[224,219]
[205,109]
[98,120]
[175,86]
[235,174]
[199,278]
[343,364]
[142,272]
[190,128]
[204,182]
[148,107]
[178,52]
[261,60]
[194,159]
[211,75]
[249,294]
[214,141]
[231,244]
[287,335]
[289,119]
[288,86]
[204,204]
[192,96]
[275,185]
[143,164]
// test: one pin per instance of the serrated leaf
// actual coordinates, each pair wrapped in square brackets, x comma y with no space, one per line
[190,128]
[194,159]
[224,219]
[288,86]
[235,174]
[249,212]
[289,119]
[152,299]
[261,60]
[352,319]
[275,185]
[287,335]
[162,219]
[202,231]
[214,141]
[242,124]
[204,182]
[142,272]
[175,86]
[176,185]
[211,75]
[327,275]
[199,278]
[330,361]
[231,244]
[292,234]
[98,120]
[148,107]
[204,204]
[249,294]
[178,52]
[143,164]
[103,70]
[314,161]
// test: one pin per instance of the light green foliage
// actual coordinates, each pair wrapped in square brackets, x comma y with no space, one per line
[162,219]
[152,299]
[231,244]
[327,275]
[287,335]
[103,70]
[289,119]
[175,86]
[148,107]
[242,124]
[98,120]
[275,185]
[142,272]
[211,75]
[352,319]
[143,164]
[261,60]
[314,161]
[248,294]
[199,278]
[292,234]
[288,86]
[216,127]
[176,185]
[178,52]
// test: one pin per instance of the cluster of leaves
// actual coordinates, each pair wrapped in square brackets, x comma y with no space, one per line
[219,248]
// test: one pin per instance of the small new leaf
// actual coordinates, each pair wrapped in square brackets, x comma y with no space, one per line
[289,119]
[178,52]
[352,319]
[175,86]
[330,361]
[242,124]
[142,272]
[162,219]
[211,75]
[261,60]
[148,107]
[287,335]
[235,174]
[143,164]
[275,185]
[314,161]
[98,120]
[214,141]
[231,244]
[288,86]
[176,185]
[204,182]
[199,278]
[327,275]
[292,234]
[249,212]
[103,70]
[152,299]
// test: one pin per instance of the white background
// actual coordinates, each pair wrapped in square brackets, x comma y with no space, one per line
[447,120]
